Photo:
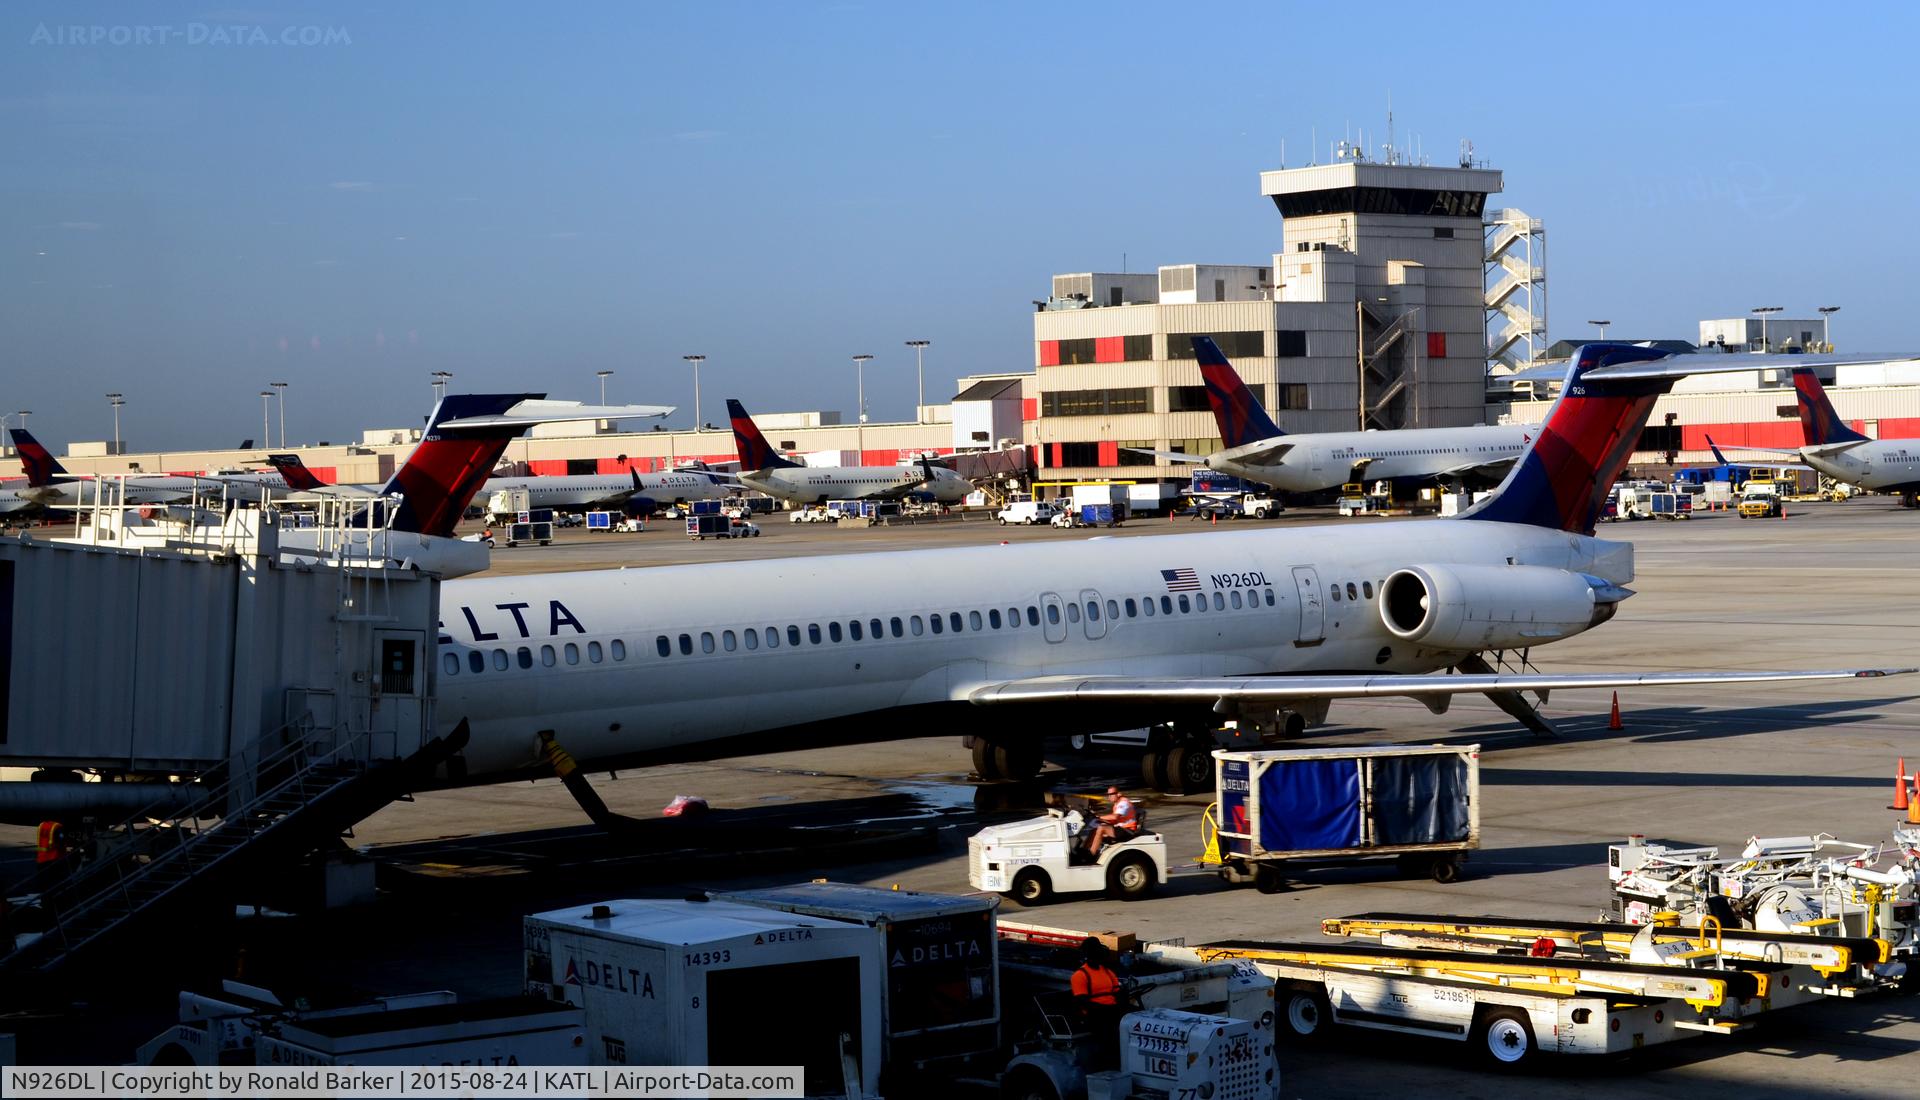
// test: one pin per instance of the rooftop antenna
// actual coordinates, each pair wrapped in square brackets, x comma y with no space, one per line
[1389,125]
[1313,145]
[1283,154]
[1466,153]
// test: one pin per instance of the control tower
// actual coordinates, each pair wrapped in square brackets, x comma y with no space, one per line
[1407,239]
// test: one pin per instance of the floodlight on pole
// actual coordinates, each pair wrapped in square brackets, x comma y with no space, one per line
[266,432]
[1826,329]
[440,380]
[1602,326]
[920,368]
[699,421]
[1765,312]
[116,400]
[281,387]
[860,382]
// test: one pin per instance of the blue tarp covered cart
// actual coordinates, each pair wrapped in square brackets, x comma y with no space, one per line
[1277,806]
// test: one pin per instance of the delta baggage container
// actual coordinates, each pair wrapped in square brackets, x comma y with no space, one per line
[716,983]
[941,999]
[1281,807]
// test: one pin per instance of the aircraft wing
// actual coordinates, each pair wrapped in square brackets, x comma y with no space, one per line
[330,492]
[1825,449]
[1497,466]
[1175,457]
[1224,690]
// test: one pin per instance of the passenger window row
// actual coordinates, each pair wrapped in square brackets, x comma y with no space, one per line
[859,630]
[1354,592]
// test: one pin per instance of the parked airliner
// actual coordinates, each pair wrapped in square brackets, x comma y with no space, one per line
[49,484]
[765,469]
[632,492]
[1835,449]
[1257,450]
[1010,642]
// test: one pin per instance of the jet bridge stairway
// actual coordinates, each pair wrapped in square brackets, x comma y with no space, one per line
[300,795]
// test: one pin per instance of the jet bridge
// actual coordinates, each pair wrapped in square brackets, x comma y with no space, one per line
[238,707]
[176,657]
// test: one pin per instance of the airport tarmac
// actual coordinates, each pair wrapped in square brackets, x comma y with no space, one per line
[1828,587]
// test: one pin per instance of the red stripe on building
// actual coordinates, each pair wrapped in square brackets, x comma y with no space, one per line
[1898,427]
[1049,353]
[880,457]
[1053,458]
[1030,408]
[1109,453]
[1436,345]
[1110,349]
[547,467]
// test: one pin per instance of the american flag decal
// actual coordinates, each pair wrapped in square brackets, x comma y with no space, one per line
[1180,580]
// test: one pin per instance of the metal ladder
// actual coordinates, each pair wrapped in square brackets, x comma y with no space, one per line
[291,792]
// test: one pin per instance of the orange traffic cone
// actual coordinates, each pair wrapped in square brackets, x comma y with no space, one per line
[1913,808]
[1613,717]
[1899,785]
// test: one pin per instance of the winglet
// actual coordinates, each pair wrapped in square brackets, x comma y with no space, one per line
[754,450]
[1717,456]
[1820,424]
[40,465]
[1235,409]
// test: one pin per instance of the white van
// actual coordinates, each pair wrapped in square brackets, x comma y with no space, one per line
[1027,511]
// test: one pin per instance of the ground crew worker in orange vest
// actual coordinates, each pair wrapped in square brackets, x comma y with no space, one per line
[50,844]
[1096,989]
[1113,825]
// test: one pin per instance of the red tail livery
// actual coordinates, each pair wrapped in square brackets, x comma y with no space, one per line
[1235,409]
[755,452]
[1819,423]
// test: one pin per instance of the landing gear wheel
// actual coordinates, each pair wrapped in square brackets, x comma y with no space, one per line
[1130,878]
[1305,1014]
[1031,887]
[1019,761]
[1153,769]
[1293,724]
[985,760]
[1267,879]
[1504,1038]
[1079,742]
[1190,769]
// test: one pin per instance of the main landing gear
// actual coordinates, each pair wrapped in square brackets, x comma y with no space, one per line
[1007,758]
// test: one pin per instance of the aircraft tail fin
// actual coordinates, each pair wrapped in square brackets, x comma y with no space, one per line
[754,450]
[439,479]
[295,473]
[245,444]
[1563,479]
[1717,456]
[40,465]
[1235,409]
[1819,423]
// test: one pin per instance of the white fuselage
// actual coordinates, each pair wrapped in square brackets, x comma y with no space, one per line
[770,645]
[574,491]
[158,489]
[1880,465]
[814,484]
[1327,460]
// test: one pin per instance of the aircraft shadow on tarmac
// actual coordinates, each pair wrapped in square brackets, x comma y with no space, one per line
[1659,725]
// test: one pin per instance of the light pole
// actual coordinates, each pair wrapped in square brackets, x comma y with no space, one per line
[1765,312]
[281,389]
[699,422]
[266,433]
[116,400]
[1602,326]
[23,414]
[860,384]
[440,380]
[920,368]
[602,376]
[1826,331]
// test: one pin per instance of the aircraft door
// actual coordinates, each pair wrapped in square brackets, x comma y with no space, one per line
[397,715]
[1093,614]
[1053,617]
[1313,613]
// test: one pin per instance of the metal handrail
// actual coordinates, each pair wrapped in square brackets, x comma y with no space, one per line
[187,827]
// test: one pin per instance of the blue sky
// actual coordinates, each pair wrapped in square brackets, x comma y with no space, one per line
[526,195]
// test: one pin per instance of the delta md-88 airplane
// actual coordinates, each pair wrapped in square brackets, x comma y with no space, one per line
[770,472]
[1257,450]
[1010,642]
